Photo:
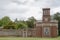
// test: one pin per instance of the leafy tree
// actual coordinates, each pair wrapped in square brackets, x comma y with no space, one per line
[30,22]
[57,17]
[21,25]
[10,25]
[5,20]
[7,23]
[0,23]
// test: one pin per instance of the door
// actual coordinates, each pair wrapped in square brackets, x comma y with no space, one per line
[24,33]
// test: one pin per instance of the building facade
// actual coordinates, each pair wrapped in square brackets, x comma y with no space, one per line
[46,27]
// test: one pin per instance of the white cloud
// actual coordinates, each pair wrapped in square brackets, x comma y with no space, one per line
[22,9]
[54,10]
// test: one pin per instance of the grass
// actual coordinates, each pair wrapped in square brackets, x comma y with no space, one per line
[21,38]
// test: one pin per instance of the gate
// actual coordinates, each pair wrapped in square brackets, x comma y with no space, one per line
[25,33]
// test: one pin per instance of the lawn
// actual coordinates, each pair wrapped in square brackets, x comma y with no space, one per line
[21,38]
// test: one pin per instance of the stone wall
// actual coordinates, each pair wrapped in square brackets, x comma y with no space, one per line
[19,32]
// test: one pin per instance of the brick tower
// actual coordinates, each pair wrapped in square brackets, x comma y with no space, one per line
[46,27]
[46,14]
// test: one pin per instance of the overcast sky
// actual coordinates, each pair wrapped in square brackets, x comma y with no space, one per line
[23,9]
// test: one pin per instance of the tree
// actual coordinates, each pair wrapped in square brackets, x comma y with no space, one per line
[10,25]
[21,24]
[30,22]
[57,17]
[0,23]
[5,20]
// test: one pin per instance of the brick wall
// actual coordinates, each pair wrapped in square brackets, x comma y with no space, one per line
[54,31]
[39,32]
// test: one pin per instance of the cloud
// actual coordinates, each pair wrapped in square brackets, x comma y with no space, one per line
[22,9]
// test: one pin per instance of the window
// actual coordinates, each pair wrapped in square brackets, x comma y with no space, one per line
[46,31]
[46,12]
